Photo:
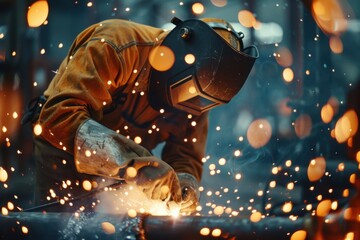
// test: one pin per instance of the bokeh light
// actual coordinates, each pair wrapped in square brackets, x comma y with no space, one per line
[108,228]
[327,113]
[219,3]
[284,57]
[246,18]
[288,75]
[189,58]
[336,44]
[3,175]
[161,58]
[323,208]
[303,125]
[259,133]
[346,126]
[198,8]
[330,15]
[37,13]
[316,169]
[255,217]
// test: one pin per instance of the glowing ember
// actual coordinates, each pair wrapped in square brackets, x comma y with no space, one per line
[287,207]
[3,175]
[238,176]
[132,213]
[4,211]
[37,129]
[137,140]
[108,228]
[334,205]
[255,217]
[10,206]
[87,185]
[219,210]
[222,161]
[350,236]
[131,172]
[205,231]
[288,75]
[216,232]
[189,58]
[25,230]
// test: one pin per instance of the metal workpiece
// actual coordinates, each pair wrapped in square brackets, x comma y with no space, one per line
[214,227]
[38,225]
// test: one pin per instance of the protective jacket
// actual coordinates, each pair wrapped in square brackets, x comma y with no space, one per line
[105,78]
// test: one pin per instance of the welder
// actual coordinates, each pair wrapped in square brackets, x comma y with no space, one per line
[108,106]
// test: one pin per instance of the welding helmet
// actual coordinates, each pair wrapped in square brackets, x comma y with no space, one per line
[210,66]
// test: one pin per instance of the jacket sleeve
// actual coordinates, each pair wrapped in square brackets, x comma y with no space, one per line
[185,153]
[79,91]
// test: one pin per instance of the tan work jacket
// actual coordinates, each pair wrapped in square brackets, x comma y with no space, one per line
[105,77]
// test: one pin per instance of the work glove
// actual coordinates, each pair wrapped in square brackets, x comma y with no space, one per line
[103,152]
[189,191]
[155,178]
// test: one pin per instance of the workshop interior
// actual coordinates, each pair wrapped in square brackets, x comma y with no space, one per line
[282,157]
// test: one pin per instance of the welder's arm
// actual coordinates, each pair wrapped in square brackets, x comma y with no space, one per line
[184,154]
[103,152]
[189,192]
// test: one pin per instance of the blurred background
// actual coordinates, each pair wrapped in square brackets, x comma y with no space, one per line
[285,143]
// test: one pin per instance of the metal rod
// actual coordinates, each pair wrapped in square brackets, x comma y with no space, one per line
[84,196]
[107,226]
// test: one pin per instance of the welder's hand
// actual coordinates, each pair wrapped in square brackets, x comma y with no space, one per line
[155,178]
[190,192]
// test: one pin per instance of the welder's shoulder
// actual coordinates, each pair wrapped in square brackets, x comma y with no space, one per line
[127,31]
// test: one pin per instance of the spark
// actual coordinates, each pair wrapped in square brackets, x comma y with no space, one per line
[138,140]
[255,217]
[216,232]
[3,175]
[87,185]
[37,129]
[205,231]
[4,211]
[132,213]
[24,229]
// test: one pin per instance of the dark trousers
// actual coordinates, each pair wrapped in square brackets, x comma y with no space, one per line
[59,187]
